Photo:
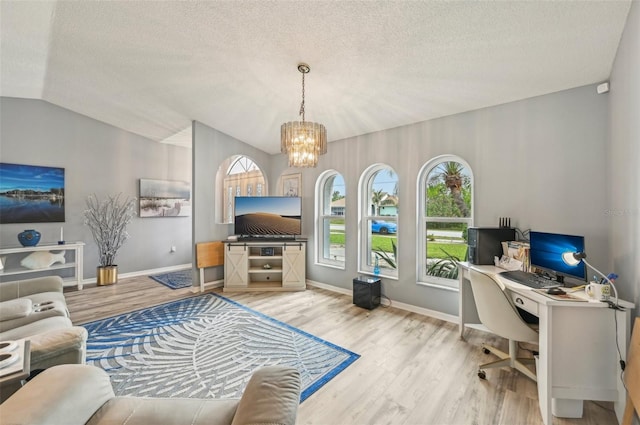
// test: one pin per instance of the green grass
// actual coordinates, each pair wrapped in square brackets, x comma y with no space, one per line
[434,249]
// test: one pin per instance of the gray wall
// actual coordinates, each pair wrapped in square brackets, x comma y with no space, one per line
[101,159]
[538,161]
[623,209]
[210,148]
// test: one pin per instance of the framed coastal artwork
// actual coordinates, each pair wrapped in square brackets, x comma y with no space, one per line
[291,185]
[31,194]
[165,198]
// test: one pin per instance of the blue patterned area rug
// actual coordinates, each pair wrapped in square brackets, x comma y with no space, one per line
[175,280]
[205,347]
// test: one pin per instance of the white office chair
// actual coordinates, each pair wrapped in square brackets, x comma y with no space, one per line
[499,315]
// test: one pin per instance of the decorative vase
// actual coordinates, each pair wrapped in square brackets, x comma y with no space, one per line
[29,237]
[106,275]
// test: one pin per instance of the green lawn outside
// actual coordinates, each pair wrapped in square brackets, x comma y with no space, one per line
[434,249]
[458,250]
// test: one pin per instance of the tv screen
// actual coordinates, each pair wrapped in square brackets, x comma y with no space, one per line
[268,216]
[547,249]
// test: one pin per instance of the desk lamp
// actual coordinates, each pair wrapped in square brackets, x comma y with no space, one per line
[574,258]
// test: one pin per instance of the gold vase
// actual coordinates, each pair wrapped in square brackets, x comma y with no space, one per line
[106,275]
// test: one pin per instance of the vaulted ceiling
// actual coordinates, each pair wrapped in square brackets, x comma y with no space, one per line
[151,67]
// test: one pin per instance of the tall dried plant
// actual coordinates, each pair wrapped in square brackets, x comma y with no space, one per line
[108,220]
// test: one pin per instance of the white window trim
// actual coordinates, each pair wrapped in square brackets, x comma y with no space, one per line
[421,219]
[364,187]
[319,222]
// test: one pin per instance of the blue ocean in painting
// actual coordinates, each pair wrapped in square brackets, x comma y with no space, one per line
[31,194]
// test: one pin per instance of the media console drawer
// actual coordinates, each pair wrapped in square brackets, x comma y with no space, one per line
[525,303]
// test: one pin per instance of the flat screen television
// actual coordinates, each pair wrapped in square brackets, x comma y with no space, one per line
[547,249]
[268,216]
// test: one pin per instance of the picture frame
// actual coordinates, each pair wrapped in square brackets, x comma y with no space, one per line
[164,198]
[31,194]
[292,185]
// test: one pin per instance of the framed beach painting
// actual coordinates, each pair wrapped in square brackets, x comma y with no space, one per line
[165,198]
[31,194]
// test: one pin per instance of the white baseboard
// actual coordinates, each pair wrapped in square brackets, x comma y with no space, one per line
[144,272]
[397,304]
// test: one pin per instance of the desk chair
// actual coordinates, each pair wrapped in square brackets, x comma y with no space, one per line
[499,315]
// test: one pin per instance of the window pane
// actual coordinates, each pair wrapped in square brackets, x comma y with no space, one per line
[383,195]
[331,225]
[336,196]
[446,243]
[448,191]
[380,223]
[383,243]
[333,232]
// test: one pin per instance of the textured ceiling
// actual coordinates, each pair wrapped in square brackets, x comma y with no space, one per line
[152,67]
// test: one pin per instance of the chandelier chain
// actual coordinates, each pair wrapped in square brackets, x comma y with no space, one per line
[302,104]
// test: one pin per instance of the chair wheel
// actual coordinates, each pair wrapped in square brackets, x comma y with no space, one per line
[482,374]
[486,351]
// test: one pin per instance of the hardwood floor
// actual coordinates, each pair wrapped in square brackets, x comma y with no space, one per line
[413,369]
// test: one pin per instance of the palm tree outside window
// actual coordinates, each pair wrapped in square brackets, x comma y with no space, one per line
[445,213]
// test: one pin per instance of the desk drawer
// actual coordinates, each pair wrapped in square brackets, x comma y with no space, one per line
[525,303]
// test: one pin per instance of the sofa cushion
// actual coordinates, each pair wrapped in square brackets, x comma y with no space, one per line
[43,297]
[34,328]
[37,285]
[165,411]
[38,312]
[271,397]
[66,394]
[15,309]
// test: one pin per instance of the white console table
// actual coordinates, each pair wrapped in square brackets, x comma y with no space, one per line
[578,345]
[14,255]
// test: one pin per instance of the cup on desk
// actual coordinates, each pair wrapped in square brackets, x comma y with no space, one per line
[597,292]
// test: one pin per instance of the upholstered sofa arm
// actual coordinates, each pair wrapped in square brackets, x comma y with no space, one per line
[271,397]
[22,288]
[65,394]
[59,346]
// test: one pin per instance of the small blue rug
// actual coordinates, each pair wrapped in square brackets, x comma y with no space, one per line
[205,347]
[175,280]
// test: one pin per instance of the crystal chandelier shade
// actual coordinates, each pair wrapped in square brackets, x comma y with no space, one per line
[303,141]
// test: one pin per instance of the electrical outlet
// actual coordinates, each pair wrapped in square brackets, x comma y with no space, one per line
[173,248]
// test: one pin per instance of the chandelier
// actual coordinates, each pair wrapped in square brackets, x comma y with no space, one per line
[303,141]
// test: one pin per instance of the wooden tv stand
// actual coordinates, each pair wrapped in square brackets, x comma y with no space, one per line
[269,265]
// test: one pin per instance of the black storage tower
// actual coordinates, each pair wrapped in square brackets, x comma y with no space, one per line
[486,243]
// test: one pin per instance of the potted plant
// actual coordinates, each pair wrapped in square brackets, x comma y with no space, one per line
[108,220]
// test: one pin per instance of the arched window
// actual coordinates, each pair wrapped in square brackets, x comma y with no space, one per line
[238,175]
[378,214]
[445,211]
[330,219]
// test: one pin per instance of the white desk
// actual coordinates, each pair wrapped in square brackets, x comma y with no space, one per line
[578,358]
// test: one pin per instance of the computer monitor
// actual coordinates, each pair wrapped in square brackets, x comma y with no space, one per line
[547,249]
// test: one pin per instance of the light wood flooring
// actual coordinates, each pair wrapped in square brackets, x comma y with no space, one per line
[413,369]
